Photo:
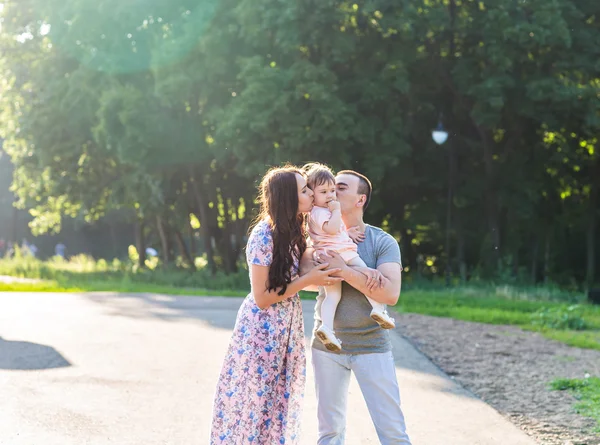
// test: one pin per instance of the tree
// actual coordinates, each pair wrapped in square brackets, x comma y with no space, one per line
[170,111]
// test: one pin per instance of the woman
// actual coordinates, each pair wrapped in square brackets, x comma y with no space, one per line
[260,389]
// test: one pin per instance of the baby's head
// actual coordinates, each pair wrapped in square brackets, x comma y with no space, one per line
[321,181]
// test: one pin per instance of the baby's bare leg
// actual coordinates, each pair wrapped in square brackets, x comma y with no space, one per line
[333,294]
[358,263]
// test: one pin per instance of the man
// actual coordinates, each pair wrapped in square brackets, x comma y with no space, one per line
[366,348]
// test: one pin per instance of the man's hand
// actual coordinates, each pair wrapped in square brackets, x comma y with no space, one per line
[391,282]
[333,205]
[374,277]
[355,234]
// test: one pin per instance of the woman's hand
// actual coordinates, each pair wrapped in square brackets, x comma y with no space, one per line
[321,276]
[355,234]
[331,258]
[307,262]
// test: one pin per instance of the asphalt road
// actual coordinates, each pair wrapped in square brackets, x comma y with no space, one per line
[133,369]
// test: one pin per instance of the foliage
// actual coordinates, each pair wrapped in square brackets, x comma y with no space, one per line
[162,114]
[560,318]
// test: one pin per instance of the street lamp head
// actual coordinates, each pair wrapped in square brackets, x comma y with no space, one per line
[439,135]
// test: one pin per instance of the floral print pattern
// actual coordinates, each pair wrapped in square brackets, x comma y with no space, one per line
[261,387]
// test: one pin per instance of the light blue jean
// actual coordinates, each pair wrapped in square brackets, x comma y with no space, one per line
[376,376]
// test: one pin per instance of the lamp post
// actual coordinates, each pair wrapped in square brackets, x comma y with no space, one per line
[439,136]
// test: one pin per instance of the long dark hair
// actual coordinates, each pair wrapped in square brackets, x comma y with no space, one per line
[278,199]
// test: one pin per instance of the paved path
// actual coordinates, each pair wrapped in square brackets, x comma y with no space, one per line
[103,368]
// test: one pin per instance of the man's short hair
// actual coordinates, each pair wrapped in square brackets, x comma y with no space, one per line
[364,185]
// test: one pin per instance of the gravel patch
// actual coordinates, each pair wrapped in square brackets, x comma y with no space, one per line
[510,369]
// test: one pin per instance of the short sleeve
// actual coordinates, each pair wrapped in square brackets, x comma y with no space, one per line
[259,249]
[388,251]
[318,217]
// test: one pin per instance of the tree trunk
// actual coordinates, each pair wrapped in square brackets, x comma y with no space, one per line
[183,249]
[409,255]
[164,241]
[226,247]
[192,238]
[15,224]
[591,237]
[515,263]
[460,248]
[534,259]
[547,258]
[140,243]
[113,238]
[490,193]
[449,200]
[512,239]
[204,220]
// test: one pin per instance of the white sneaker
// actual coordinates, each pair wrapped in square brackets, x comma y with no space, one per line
[328,338]
[383,319]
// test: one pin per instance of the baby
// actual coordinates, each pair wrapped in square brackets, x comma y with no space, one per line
[327,232]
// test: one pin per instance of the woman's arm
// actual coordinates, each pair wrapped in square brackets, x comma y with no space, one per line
[307,262]
[318,276]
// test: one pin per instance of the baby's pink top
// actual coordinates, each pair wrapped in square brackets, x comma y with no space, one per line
[339,242]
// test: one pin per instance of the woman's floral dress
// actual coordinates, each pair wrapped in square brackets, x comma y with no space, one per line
[261,387]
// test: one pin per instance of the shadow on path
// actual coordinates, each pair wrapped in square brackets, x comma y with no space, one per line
[27,356]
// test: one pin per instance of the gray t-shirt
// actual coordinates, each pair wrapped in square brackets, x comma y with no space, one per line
[352,324]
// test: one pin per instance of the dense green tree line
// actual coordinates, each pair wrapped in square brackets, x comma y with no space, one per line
[167,112]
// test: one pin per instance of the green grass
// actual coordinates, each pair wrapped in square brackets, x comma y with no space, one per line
[485,307]
[43,286]
[585,339]
[586,391]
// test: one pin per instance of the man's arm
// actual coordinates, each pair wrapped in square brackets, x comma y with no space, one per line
[388,293]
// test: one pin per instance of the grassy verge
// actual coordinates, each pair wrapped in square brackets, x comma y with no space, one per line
[552,319]
[84,274]
[587,392]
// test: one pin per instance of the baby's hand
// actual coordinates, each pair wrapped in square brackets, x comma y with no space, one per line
[333,205]
[356,235]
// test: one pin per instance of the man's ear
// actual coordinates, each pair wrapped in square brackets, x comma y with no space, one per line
[361,201]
